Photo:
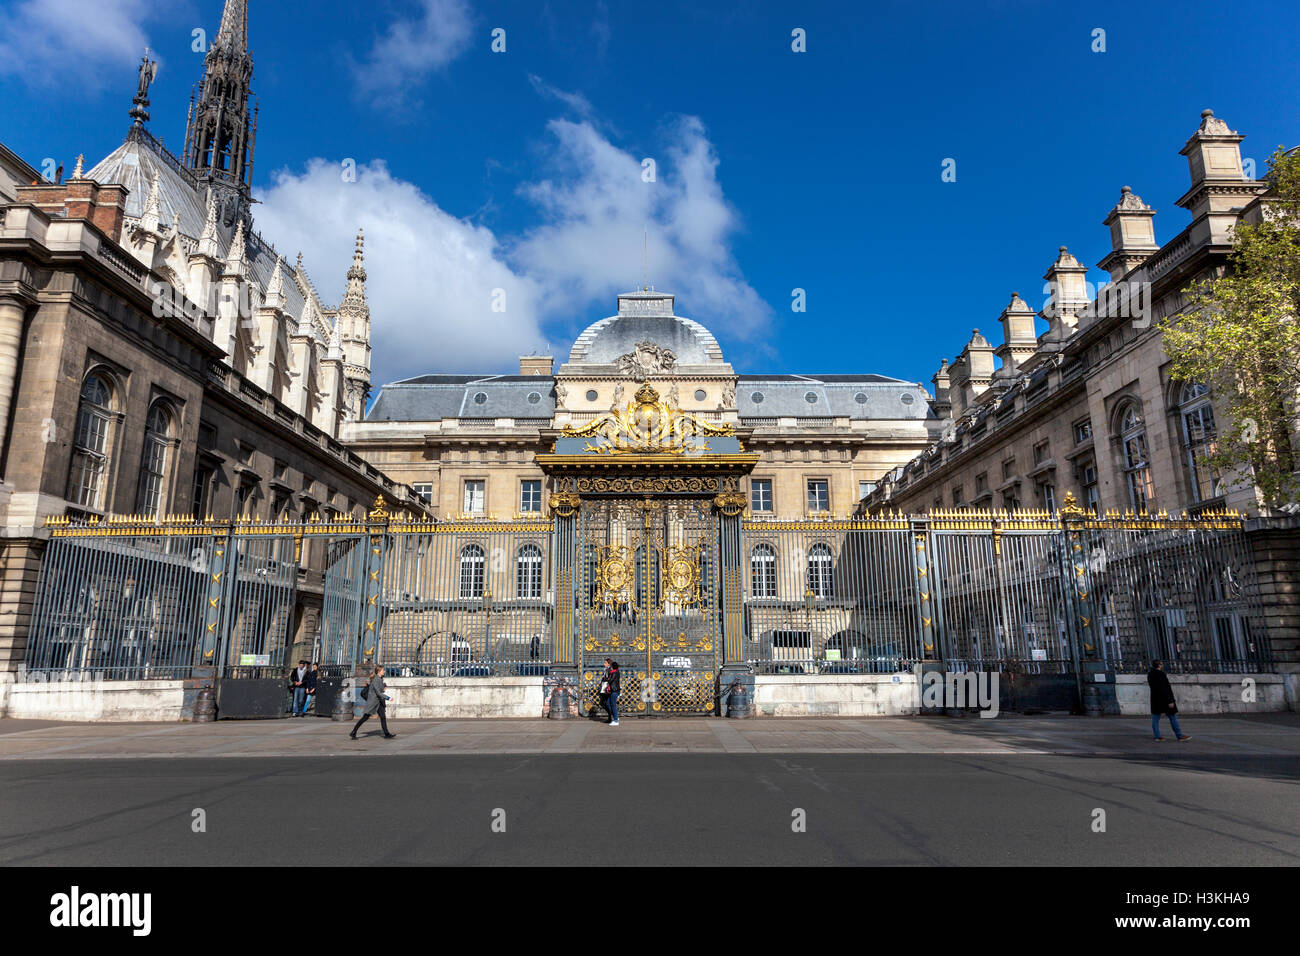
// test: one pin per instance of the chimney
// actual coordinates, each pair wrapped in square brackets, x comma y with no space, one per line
[1019,339]
[103,205]
[1132,235]
[942,404]
[1219,185]
[536,364]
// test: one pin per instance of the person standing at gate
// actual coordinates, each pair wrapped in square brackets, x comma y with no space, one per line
[1162,701]
[609,688]
[375,703]
[296,679]
[309,686]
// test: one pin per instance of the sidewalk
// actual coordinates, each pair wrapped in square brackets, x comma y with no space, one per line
[1274,734]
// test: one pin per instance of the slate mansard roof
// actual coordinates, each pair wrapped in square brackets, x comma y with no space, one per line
[428,398]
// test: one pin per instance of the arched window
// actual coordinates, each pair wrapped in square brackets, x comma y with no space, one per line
[1199,432]
[91,441]
[471,571]
[528,572]
[1137,467]
[819,570]
[762,564]
[154,460]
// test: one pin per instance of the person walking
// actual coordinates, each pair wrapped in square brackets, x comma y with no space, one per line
[375,703]
[309,686]
[609,689]
[1162,701]
[296,678]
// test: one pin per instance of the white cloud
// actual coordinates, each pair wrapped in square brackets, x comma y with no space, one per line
[430,276]
[599,212]
[46,42]
[414,47]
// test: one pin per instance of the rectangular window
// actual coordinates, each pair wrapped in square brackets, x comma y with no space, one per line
[1042,451]
[153,473]
[865,488]
[760,495]
[475,494]
[200,501]
[958,495]
[424,491]
[981,482]
[1047,497]
[1091,497]
[819,495]
[530,496]
[1008,468]
[1082,431]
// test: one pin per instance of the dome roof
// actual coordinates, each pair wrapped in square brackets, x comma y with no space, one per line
[645,317]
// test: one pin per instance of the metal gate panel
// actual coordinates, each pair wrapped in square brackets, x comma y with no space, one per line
[648,598]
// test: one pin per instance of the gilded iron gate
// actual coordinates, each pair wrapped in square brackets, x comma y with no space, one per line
[648,598]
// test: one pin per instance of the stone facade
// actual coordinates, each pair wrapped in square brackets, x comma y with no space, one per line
[158,357]
[470,442]
[1088,406]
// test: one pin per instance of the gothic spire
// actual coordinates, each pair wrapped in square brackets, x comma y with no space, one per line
[233,32]
[222,128]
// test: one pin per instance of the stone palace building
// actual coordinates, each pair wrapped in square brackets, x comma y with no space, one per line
[468,443]
[1087,406]
[159,357]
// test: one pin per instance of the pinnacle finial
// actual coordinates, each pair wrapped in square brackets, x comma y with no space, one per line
[76,170]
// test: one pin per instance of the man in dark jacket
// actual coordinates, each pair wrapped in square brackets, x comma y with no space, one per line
[296,679]
[1162,701]
[309,685]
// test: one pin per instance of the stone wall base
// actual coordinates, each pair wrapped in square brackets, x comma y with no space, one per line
[839,695]
[92,700]
[464,697]
[1205,693]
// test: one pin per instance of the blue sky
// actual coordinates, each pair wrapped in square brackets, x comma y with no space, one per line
[775,170]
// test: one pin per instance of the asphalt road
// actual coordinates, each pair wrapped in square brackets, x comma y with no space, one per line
[657,809]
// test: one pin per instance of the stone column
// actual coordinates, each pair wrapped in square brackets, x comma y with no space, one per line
[12,311]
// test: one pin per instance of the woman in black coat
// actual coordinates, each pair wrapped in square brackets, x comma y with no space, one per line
[1162,701]
[375,701]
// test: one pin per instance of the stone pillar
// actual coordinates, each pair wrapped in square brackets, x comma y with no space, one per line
[12,311]
[20,568]
[1275,550]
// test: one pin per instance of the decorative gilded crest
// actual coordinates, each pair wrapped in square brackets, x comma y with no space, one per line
[647,426]
[565,503]
[682,575]
[730,503]
[615,575]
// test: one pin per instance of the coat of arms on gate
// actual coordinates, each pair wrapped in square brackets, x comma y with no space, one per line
[682,575]
[614,576]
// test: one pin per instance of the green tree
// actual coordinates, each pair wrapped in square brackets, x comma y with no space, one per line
[1239,335]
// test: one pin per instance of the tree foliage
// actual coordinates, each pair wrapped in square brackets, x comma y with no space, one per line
[1239,335]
